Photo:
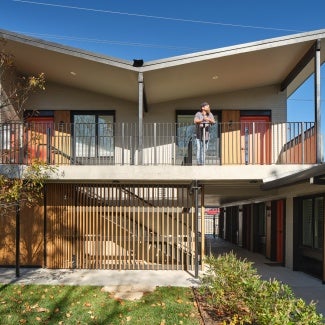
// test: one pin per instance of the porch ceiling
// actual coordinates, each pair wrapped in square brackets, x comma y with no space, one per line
[200,74]
[229,69]
[223,193]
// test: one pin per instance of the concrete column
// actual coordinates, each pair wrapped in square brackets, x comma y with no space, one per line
[319,148]
[289,233]
[240,226]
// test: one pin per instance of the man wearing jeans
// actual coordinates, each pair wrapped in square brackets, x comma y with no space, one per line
[202,120]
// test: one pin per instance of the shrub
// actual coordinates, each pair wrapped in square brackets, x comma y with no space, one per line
[234,288]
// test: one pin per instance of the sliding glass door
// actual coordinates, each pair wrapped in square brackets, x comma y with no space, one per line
[93,136]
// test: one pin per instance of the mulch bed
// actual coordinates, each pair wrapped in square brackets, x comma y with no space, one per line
[210,315]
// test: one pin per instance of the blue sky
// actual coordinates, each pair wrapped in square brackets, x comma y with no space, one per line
[150,30]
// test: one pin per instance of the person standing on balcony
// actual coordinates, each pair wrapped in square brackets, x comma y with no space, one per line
[203,119]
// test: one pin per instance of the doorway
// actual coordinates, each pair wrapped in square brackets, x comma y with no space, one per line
[38,139]
[255,139]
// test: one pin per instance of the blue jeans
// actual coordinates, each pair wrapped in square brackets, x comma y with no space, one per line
[201,151]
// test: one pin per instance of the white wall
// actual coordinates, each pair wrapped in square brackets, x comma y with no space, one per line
[57,97]
[264,98]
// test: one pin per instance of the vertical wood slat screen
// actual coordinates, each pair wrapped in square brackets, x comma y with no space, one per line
[120,226]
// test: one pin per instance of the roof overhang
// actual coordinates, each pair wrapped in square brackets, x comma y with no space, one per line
[72,67]
[313,175]
[223,70]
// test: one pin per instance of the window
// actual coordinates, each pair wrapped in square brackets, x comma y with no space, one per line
[186,135]
[318,222]
[185,127]
[93,134]
[307,222]
[312,222]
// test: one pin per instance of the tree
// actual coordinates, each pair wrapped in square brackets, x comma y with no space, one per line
[23,185]
[16,88]
[19,185]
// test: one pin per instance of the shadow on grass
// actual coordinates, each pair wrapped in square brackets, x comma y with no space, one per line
[53,304]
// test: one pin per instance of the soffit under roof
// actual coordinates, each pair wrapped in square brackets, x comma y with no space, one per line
[73,67]
[217,71]
[225,74]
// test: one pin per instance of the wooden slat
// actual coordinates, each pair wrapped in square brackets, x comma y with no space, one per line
[109,226]
[134,228]
[119,227]
[153,231]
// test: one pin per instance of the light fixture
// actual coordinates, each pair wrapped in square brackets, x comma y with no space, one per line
[215,77]
[73,73]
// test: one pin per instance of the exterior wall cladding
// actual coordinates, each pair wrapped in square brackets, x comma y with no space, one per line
[128,193]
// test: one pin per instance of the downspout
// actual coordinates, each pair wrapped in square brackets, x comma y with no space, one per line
[140,121]
[319,149]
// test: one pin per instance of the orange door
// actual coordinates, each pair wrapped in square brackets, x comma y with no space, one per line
[38,139]
[255,140]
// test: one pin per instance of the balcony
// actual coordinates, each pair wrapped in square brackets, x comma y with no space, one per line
[254,143]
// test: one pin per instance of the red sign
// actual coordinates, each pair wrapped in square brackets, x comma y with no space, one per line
[212,211]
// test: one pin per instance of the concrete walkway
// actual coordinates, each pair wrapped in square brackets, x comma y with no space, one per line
[98,277]
[132,283]
[122,284]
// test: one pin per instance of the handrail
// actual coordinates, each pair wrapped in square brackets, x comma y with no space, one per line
[259,143]
[63,154]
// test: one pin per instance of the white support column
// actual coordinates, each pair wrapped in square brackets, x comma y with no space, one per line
[319,149]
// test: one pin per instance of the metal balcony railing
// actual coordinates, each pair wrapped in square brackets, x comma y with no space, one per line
[161,144]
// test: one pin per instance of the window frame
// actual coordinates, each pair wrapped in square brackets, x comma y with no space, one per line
[316,232]
[97,114]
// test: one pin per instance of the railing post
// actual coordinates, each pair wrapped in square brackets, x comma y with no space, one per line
[173,157]
[253,144]
[218,161]
[246,145]
[21,128]
[123,142]
[73,144]
[48,145]
[302,143]
[132,150]
[203,139]
[155,142]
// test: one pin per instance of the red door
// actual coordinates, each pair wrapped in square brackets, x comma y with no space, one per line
[38,139]
[255,139]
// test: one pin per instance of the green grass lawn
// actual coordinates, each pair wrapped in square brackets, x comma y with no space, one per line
[53,304]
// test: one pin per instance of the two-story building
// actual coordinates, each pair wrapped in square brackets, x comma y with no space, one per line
[129,193]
